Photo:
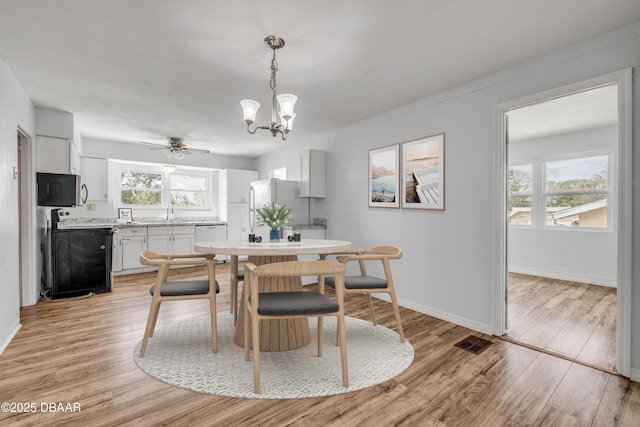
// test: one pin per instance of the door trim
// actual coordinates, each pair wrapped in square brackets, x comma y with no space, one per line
[623,79]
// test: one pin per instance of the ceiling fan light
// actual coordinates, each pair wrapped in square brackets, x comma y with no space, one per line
[286,101]
[249,109]
[178,155]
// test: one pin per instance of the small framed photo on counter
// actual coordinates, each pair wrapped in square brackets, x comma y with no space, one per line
[125,213]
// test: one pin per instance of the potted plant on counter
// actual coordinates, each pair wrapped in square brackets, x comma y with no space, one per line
[274,216]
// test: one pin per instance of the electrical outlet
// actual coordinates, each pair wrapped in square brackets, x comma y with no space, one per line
[91,206]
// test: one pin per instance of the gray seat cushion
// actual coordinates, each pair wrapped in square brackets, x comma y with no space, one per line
[185,287]
[292,303]
[358,282]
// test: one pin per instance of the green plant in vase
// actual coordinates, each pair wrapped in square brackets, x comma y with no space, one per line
[274,216]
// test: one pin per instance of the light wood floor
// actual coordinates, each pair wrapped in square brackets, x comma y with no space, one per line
[81,351]
[573,319]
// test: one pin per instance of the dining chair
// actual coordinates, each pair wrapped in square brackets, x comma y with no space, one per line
[282,305]
[366,284]
[235,279]
[164,290]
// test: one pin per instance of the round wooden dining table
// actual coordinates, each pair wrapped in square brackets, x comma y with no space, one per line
[279,334]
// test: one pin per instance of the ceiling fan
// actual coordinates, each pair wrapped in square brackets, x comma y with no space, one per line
[177,148]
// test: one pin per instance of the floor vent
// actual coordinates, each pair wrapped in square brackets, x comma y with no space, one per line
[474,344]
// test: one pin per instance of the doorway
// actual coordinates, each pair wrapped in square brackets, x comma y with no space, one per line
[547,218]
[28,243]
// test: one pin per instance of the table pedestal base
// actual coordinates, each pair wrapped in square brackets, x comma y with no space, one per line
[279,334]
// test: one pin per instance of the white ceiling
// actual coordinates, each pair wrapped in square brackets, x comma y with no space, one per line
[146,69]
[584,110]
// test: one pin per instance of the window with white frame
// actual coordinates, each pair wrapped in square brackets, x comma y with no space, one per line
[138,187]
[571,191]
[188,189]
[576,191]
[520,193]
[148,186]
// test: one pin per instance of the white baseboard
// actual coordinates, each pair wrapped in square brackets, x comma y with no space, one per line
[448,317]
[635,375]
[8,339]
[563,275]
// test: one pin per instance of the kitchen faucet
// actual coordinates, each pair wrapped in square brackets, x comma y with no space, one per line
[170,207]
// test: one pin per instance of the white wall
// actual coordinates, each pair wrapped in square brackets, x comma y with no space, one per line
[16,110]
[448,268]
[583,255]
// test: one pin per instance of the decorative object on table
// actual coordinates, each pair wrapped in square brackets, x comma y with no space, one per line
[384,184]
[179,354]
[295,237]
[286,101]
[126,214]
[423,173]
[274,216]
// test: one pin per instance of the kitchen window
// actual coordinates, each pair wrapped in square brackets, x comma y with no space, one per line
[150,186]
[140,188]
[188,190]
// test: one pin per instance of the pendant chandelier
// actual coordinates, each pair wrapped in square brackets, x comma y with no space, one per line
[286,101]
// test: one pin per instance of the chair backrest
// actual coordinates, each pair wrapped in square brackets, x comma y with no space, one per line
[296,268]
[152,258]
[393,252]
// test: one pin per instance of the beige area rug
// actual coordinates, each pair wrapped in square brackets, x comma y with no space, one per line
[180,355]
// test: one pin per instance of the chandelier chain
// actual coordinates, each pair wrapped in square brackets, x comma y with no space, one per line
[274,69]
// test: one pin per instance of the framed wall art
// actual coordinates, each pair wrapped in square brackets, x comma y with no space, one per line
[423,173]
[384,180]
[125,213]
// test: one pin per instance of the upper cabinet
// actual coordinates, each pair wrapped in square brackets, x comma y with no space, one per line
[234,185]
[57,155]
[95,177]
[312,181]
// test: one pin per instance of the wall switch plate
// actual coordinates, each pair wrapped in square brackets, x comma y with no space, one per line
[91,206]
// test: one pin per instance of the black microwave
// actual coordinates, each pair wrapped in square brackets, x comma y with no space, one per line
[55,189]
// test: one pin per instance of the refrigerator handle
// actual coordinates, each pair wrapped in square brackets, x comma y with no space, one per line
[252,208]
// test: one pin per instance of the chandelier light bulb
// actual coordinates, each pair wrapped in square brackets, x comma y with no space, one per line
[287,102]
[249,109]
[287,124]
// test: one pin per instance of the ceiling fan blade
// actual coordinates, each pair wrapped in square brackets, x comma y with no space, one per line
[199,150]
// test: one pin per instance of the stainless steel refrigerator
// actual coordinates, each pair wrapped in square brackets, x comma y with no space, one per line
[276,191]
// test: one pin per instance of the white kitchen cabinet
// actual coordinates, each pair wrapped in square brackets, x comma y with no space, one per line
[95,176]
[234,201]
[176,239]
[237,221]
[57,155]
[212,233]
[312,173]
[129,242]
[234,185]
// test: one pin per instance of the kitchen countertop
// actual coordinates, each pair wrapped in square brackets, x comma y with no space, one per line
[111,223]
[303,227]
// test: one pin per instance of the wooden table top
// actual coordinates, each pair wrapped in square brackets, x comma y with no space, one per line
[305,247]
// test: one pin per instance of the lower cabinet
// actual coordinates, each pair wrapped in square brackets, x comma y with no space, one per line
[128,243]
[176,239]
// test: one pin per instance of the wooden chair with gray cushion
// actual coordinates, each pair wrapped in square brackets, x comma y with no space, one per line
[235,279]
[283,305]
[366,284]
[164,290]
